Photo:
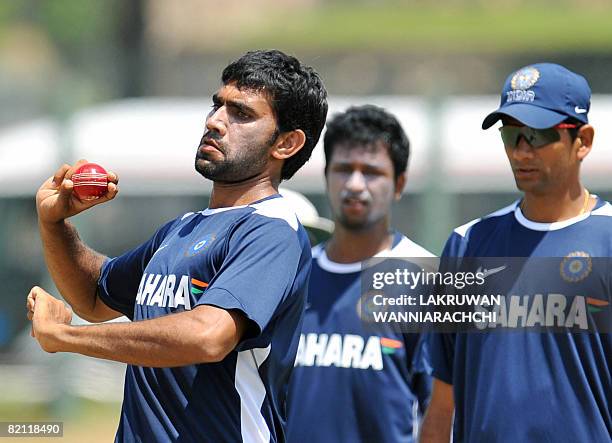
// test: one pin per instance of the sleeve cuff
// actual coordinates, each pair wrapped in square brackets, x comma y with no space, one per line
[103,294]
[445,377]
[224,299]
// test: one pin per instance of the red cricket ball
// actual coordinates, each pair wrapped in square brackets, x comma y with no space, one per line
[90,181]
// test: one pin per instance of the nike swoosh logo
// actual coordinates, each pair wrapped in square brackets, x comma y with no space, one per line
[486,272]
[579,110]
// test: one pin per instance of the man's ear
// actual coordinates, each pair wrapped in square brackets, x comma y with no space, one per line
[584,141]
[400,182]
[288,144]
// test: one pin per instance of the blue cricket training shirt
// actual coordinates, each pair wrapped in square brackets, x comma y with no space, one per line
[528,386]
[355,382]
[254,259]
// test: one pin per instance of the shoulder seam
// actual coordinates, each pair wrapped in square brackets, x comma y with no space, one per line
[276,209]
[463,229]
[408,248]
[605,210]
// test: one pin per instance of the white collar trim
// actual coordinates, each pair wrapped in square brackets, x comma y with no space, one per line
[326,264]
[555,226]
[209,211]
[337,268]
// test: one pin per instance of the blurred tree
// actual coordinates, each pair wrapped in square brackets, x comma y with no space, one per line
[100,40]
[131,45]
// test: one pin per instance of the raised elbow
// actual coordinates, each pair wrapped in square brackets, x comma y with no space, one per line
[213,347]
[219,332]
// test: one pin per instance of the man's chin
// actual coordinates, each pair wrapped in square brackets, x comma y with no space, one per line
[355,224]
[526,185]
[205,168]
[221,173]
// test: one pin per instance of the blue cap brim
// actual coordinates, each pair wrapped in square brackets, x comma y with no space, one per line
[529,115]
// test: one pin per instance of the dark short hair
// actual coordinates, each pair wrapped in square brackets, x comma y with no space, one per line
[296,93]
[573,132]
[368,125]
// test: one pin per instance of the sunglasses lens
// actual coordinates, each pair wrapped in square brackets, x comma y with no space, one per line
[510,135]
[534,137]
[540,137]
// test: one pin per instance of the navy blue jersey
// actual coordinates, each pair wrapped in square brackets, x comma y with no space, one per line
[354,383]
[529,386]
[255,259]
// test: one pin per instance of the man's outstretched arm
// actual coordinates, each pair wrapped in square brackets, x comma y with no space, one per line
[437,424]
[74,267]
[205,334]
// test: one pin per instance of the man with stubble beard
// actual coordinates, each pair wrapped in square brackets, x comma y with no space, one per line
[216,296]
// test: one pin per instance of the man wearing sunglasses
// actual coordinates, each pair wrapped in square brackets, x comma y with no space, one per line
[531,386]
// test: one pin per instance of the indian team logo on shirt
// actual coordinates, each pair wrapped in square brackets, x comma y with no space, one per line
[576,266]
[201,245]
[366,307]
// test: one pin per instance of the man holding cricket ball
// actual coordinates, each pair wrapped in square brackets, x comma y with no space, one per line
[217,296]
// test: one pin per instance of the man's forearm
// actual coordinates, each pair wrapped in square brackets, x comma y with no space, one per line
[436,428]
[173,340]
[74,267]
[438,421]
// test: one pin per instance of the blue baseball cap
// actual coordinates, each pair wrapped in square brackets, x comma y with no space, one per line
[542,96]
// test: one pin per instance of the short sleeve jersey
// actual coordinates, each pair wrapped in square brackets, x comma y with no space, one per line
[354,383]
[529,386]
[254,259]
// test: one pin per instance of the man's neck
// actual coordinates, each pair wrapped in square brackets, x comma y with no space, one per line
[350,246]
[564,205]
[225,195]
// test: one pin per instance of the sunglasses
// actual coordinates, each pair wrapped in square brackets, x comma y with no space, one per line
[536,138]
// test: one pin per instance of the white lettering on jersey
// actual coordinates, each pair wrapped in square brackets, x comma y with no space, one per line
[333,353]
[140,286]
[181,297]
[554,310]
[517,311]
[315,348]
[158,297]
[577,314]
[351,351]
[149,287]
[162,290]
[529,311]
[169,292]
[372,356]
[340,350]
[536,313]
